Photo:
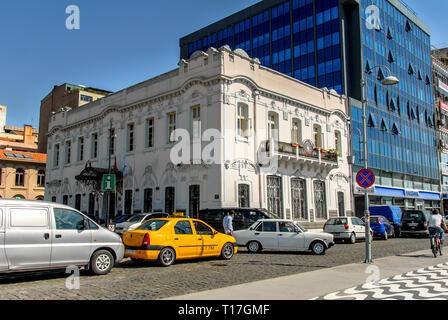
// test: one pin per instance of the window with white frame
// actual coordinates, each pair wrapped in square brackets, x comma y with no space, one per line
[171,126]
[80,148]
[338,142]
[243,120]
[296,131]
[94,146]
[149,133]
[317,129]
[111,140]
[68,152]
[130,138]
[196,122]
[56,155]
[273,132]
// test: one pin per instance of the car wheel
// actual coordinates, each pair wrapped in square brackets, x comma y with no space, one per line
[102,262]
[318,248]
[167,257]
[227,251]
[254,247]
[352,238]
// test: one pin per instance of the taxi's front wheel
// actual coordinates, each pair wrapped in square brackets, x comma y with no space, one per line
[167,257]
[227,251]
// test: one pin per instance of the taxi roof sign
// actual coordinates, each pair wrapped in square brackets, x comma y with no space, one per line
[178,214]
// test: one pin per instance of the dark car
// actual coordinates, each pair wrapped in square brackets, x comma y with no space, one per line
[415,222]
[243,219]
[381,227]
[122,218]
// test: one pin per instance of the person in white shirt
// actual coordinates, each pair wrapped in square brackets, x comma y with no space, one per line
[227,223]
[435,225]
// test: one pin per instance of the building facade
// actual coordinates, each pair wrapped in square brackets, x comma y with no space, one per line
[440,84]
[19,138]
[22,175]
[66,95]
[3,110]
[220,131]
[334,44]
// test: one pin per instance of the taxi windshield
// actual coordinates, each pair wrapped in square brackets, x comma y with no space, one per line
[153,225]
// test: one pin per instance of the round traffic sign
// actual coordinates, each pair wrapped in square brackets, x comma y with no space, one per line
[365,178]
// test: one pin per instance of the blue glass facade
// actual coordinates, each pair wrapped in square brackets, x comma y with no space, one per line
[300,38]
[400,118]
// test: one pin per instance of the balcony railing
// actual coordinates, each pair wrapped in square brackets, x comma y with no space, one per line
[305,150]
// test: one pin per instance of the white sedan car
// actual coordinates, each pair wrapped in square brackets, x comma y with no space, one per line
[282,235]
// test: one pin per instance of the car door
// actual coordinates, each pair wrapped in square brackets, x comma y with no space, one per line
[28,237]
[267,234]
[187,243]
[72,241]
[290,237]
[209,241]
[359,227]
[3,260]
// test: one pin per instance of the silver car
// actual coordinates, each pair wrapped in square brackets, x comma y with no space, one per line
[280,234]
[134,221]
[37,235]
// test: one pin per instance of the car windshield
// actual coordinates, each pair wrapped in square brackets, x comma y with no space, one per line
[136,218]
[153,225]
[413,216]
[269,214]
[374,220]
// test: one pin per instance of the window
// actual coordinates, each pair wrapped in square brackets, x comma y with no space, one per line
[275,195]
[68,219]
[20,177]
[41,178]
[131,136]
[78,202]
[267,227]
[86,98]
[296,131]
[81,149]
[196,122]
[68,152]
[273,126]
[298,193]
[169,200]
[243,195]
[317,129]
[65,199]
[320,201]
[56,155]
[338,142]
[111,145]
[287,227]
[147,201]
[26,217]
[243,120]
[341,204]
[94,153]
[202,229]
[183,227]
[149,133]
[171,126]
[153,225]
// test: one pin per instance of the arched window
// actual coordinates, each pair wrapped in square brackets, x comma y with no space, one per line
[273,126]
[41,178]
[20,177]
[296,131]
[318,136]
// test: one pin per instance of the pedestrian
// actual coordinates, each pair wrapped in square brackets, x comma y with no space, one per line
[227,223]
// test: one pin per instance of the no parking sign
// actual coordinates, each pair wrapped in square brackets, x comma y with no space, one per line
[365,178]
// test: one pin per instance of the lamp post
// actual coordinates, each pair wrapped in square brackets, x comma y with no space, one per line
[109,171]
[387,81]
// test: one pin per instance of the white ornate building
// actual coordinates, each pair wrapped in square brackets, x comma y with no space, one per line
[259,113]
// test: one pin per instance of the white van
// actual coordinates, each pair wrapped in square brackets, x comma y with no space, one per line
[37,235]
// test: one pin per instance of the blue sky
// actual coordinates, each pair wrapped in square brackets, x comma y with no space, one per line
[120,43]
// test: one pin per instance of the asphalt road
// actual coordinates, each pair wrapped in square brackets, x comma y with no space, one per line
[130,281]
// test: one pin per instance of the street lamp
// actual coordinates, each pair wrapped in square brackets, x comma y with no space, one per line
[111,136]
[390,80]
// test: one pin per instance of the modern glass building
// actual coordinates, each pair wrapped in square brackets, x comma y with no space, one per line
[333,44]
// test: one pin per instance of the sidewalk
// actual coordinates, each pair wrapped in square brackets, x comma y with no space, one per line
[313,284]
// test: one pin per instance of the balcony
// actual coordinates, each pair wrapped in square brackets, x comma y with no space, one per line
[305,152]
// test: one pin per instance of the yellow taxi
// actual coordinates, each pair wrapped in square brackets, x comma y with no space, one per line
[168,239]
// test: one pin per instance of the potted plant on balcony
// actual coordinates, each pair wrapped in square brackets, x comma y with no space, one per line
[323,151]
[294,145]
[281,146]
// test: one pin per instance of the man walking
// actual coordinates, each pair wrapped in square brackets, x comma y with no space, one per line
[227,223]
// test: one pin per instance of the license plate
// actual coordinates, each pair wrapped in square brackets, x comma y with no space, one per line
[412,224]
[336,234]
[129,251]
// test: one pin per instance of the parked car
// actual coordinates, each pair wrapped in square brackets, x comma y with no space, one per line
[392,213]
[136,220]
[170,239]
[381,227]
[243,219]
[415,222]
[121,219]
[38,235]
[348,229]
[280,234]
